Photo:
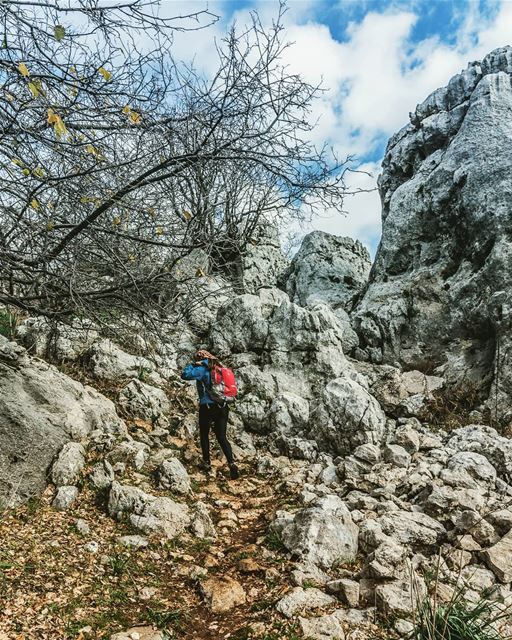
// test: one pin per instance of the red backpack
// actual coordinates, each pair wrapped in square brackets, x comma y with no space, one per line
[223,386]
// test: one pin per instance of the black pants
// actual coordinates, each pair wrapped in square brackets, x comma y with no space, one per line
[218,416]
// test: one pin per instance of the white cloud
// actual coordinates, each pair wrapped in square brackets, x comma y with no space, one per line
[374,77]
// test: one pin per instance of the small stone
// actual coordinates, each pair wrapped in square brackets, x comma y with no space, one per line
[404,627]
[65,497]
[139,633]
[92,547]
[397,455]
[133,541]
[326,627]
[82,527]
[407,437]
[222,593]
[347,591]
[397,598]
[249,565]
[299,599]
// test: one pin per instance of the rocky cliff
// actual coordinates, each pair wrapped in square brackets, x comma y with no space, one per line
[440,290]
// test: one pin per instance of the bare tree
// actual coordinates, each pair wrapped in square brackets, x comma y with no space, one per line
[115,164]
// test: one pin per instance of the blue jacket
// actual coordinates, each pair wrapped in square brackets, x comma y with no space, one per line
[201,374]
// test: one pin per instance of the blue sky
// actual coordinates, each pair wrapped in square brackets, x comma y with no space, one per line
[378,59]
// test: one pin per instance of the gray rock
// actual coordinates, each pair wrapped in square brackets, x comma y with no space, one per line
[130,452]
[397,455]
[107,361]
[499,558]
[412,528]
[322,534]
[328,269]
[306,572]
[440,287]
[55,341]
[102,475]
[172,475]
[399,598]
[202,524]
[475,464]
[139,633]
[263,262]
[69,464]
[141,400]
[368,452]
[134,541]
[326,627]
[346,590]
[148,513]
[82,527]
[65,497]
[37,422]
[299,599]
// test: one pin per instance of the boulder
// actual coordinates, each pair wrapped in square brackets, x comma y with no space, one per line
[69,464]
[141,400]
[399,598]
[326,627]
[322,534]
[107,361]
[55,341]
[37,422]
[65,497]
[499,558]
[172,475]
[263,262]
[329,269]
[348,416]
[150,514]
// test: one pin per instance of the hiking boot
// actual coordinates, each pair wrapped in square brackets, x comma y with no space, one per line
[233,472]
[205,466]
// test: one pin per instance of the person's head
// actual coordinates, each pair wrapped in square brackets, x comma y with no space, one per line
[202,354]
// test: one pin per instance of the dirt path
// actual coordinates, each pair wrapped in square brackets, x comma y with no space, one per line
[58,583]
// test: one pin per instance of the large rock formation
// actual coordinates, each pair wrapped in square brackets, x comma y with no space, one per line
[41,409]
[440,292]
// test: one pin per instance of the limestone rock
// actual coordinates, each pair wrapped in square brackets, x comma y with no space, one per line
[222,593]
[69,464]
[37,422]
[399,598]
[107,361]
[141,400]
[328,269]
[55,341]
[299,599]
[263,262]
[322,534]
[148,513]
[139,633]
[172,475]
[202,524]
[499,558]
[102,475]
[65,497]
[441,286]
[397,455]
[326,627]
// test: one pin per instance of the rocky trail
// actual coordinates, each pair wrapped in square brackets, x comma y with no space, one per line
[78,573]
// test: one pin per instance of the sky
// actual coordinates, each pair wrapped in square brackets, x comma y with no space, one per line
[377,60]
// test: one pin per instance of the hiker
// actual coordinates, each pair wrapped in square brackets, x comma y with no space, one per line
[213,404]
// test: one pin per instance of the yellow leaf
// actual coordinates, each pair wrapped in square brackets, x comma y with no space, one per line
[106,74]
[58,126]
[91,149]
[116,220]
[50,226]
[135,117]
[35,88]
[59,32]
[22,68]
[34,204]
[187,215]
[151,212]
[200,273]
[26,172]
[17,162]
[127,110]
[39,172]
[132,258]
[9,96]
[159,231]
